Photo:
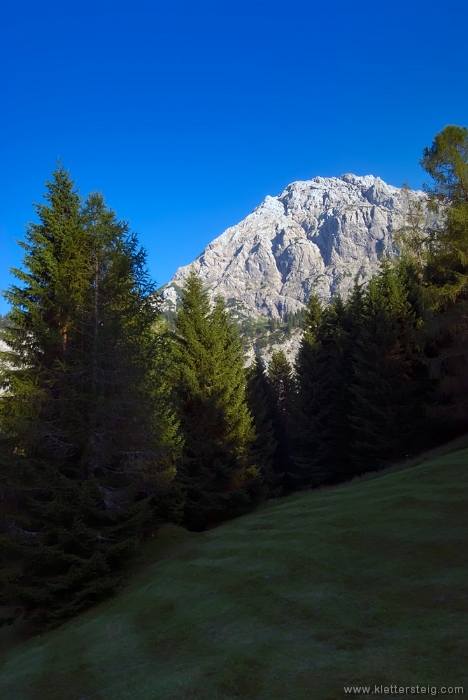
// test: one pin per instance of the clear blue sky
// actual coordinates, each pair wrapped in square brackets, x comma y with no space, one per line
[186,113]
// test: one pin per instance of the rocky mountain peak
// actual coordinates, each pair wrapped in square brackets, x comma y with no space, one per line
[316,235]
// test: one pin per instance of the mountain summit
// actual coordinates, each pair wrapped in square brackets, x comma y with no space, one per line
[316,235]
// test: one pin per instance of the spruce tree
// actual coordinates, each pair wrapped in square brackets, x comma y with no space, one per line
[215,470]
[87,441]
[389,382]
[307,401]
[331,462]
[322,405]
[282,382]
[280,374]
[260,401]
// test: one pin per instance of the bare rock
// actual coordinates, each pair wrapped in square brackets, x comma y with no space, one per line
[316,235]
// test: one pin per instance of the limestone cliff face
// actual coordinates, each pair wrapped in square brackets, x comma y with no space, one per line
[316,235]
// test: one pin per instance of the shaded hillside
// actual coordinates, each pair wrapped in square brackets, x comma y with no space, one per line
[360,584]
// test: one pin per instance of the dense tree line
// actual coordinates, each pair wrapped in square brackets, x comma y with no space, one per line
[113,420]
[384,374]
[362,383]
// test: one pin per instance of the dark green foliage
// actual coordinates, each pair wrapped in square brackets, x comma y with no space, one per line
[364,392]
[446,161]
[87,438]
[361,383]
[293,320]
[169,317]
[323,403]
[331,461]
[307,402]
[215,470]
[262,332]
[282,382]
[389,378]
[280,375]
[445,276]
[264,450]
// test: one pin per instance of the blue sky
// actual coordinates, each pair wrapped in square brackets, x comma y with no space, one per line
[186,114]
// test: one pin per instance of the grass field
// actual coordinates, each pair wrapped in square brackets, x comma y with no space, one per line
[366,583]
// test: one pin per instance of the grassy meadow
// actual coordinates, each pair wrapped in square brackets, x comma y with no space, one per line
[366,583]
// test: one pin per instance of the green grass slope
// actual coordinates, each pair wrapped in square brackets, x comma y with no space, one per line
[366,583]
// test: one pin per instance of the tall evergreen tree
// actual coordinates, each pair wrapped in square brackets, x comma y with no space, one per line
[280,374]
[331,462]
[322,405]
[282,383]
[446,275]
[389,384]
[261,403]
[87,441]
[307,402]
[215,469]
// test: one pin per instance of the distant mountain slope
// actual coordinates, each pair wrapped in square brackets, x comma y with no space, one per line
[316,235]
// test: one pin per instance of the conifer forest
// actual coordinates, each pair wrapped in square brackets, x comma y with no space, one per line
[114,421]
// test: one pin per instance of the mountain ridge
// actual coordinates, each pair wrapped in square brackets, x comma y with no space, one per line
[316,235]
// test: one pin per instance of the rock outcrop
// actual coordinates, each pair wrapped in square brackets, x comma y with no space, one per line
[316,235]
